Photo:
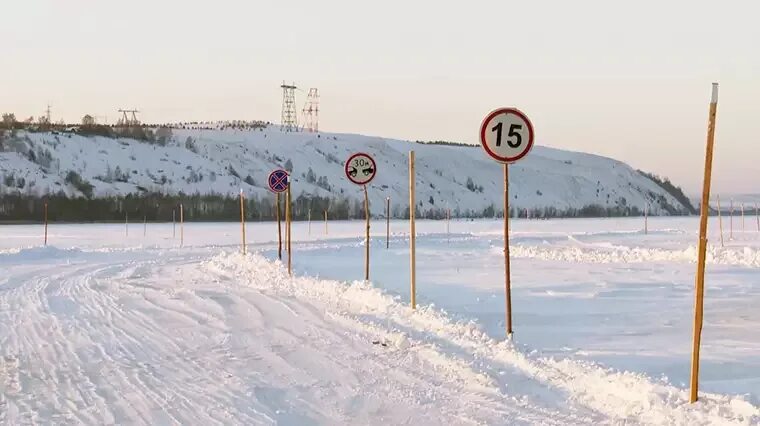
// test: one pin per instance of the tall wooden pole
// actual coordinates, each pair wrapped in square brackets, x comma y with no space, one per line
[367,240]
[174,224]
[757,217]
[126,223]
[387,222]
[46,222]
[310,221]
[700,283]
[279,227]
[507,275]
[242,221]
[720,222]
[325,222]
[742,208]
[288,221]
[145,225]
[181,225]
[287,218]
[412,235]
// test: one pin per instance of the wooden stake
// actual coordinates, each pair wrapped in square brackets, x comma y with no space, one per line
[448,224]
[367,240]
[126,223]
[757,217]
[242,220]
[279,227]
[412,235]
[174,224]
[46,222]
[720,222]
[742,208]
[145,225]
[325,222]
[731,221]
[700,283]
[181,225]
[507,277]
[310,221]
[646,218]
[387,223]
[288,220]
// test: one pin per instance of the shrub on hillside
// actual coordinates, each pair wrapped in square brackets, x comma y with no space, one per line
[74,179]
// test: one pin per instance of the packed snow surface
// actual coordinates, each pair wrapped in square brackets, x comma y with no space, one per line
[104,328]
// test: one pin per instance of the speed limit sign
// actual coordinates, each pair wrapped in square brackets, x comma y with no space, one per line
[506,135]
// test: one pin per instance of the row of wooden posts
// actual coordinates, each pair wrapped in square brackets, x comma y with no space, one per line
[145,224]
[731,220]
[288,222]
[720,220]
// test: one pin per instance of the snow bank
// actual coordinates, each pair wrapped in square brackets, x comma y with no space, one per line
[746,256]
[19,255]
[458,346]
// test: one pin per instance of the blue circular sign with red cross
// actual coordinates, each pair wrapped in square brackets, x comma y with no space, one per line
[278,181]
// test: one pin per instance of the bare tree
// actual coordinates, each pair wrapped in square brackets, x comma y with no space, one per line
[88,121]
[9,119]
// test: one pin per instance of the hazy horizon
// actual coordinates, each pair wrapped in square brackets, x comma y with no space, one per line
[627,81]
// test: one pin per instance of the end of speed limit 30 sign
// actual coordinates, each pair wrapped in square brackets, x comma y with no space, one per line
[506,135]
[360,168]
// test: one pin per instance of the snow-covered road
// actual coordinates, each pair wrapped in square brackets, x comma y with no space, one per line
[94,333]
[181,338]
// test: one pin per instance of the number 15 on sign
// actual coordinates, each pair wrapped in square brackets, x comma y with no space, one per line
[506,135]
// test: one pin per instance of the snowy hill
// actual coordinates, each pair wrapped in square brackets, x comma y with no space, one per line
[224,161]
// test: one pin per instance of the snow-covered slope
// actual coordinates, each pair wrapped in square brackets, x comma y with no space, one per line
[220,161]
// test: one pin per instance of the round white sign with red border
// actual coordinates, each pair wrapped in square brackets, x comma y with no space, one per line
[361,168]
[506,135]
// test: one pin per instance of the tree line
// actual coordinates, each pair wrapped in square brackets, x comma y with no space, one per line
[156,207]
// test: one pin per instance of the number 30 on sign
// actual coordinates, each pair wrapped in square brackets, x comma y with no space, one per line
[506,135]
[360,168]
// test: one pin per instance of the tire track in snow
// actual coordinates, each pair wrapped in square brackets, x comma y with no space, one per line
[43,345]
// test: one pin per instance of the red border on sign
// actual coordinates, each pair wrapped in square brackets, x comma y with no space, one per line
[348,162]
[269,179]
[493,114]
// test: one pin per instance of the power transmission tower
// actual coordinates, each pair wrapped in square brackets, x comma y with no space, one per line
[289,121]
[311,111]
[126,120]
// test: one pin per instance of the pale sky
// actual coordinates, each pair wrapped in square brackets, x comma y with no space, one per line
[630,80]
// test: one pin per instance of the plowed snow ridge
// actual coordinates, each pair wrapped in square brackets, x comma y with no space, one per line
[715,255]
